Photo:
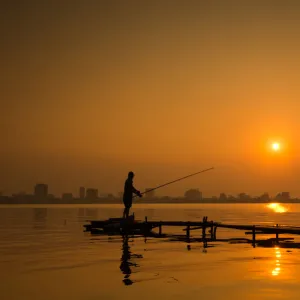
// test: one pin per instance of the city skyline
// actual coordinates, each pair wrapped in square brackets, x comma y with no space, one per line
[41,191]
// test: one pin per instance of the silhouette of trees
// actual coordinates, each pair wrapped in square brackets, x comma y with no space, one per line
[193,194]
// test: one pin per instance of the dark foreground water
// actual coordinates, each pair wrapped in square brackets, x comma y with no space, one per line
[44,254]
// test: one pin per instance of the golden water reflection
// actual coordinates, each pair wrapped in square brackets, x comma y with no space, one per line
[276,270]
[278,208]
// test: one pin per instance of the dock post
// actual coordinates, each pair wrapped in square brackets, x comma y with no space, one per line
[212,230]
[215,233]
[204,228]
[253,236]
[277,233]
[159,227]
[145,227]
[188,231]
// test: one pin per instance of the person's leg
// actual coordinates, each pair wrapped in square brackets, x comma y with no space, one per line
[127,212]
[127,204]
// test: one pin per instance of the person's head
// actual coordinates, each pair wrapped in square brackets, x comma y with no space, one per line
[130,175]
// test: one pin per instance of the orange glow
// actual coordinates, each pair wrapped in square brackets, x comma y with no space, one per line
[278,208]
[276,146]
[144,97]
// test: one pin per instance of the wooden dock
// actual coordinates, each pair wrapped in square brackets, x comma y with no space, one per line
[208,228]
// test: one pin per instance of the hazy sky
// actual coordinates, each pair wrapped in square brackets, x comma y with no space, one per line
[93,89]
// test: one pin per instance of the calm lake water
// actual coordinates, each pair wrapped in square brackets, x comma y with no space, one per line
[44,254]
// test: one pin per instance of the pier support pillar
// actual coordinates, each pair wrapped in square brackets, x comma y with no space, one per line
[212,230]
[188,231]
[215,233]
[277,234]
[204,231]
[204,228]
[253,236]
[160,229]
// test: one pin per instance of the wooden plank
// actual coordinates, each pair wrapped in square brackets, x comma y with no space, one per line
[193,225]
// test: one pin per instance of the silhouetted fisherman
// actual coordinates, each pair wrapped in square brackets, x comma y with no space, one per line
[129,189]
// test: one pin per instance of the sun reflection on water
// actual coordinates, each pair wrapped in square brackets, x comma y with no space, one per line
[278,208]
[276,270]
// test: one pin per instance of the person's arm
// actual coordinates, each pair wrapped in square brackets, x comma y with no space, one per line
[134,190]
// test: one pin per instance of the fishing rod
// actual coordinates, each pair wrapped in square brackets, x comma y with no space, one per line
[160,186]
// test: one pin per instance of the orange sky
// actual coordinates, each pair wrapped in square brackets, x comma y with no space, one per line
[91,91]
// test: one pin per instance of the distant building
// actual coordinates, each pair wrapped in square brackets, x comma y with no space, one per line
[193,194]
[22,197]
[243,196]
[91,194]
[285,196]
[264,197]
[166,198]
[67,196]
[149,193]
[19,194]
[41,191]
[223,197]
[81,192]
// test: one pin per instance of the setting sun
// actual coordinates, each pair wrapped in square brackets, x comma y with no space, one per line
[276,146]
[278,208]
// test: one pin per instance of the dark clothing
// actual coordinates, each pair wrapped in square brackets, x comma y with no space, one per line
[127,203]
[128,190]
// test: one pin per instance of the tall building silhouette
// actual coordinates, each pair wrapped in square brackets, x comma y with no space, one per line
[81,192]
[41,190]
[223,197]
[91,194]
[193,194]
[285,196]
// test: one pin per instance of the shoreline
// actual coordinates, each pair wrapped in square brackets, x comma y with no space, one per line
[137,203]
